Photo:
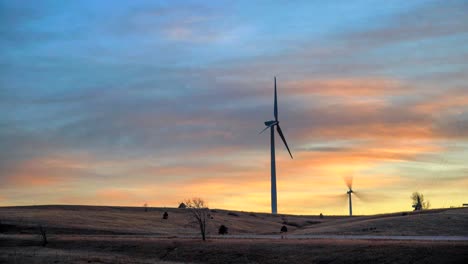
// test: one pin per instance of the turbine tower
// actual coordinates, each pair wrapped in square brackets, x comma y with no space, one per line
[349,183]
[364,197]
[271,125]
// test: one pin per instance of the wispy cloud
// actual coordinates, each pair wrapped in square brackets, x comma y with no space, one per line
[174,96]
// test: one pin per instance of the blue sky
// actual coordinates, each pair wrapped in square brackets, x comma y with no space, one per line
[127,102]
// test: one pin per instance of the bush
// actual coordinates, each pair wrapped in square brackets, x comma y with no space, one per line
[222,230]
[165,215]
[284,229]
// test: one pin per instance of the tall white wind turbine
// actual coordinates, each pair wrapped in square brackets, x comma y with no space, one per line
[272,124]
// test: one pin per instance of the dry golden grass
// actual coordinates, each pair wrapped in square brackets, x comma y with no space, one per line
[68,219]
[126,220]
[88,234]
[449,222]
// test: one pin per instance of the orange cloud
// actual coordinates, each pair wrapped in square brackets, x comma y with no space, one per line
[438,103]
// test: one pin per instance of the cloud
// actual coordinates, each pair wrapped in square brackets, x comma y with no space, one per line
[434,20]
[151,93]
[374,87]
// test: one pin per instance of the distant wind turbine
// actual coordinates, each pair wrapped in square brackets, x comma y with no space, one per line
[271,124]
[349,183]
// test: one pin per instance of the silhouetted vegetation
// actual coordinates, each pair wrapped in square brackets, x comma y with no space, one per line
[418,202]
[199,214]
[165,215]
[284,229]
[233,214]
[43,234]
[222,230]
[321,215]
[182,206]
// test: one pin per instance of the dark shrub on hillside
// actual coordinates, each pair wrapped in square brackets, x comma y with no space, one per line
[321,215]
[222,230]
[165,215]
[232,214]
[284,229]
[182,206]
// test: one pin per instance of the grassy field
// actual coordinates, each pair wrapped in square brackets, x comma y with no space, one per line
[88,234]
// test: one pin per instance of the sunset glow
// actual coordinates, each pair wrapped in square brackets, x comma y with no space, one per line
[133,102]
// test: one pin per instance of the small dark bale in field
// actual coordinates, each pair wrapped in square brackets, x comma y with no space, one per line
[284,229]
[222,230]
[165,215]
[233,214]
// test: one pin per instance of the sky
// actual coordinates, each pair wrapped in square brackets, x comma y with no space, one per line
[133,102]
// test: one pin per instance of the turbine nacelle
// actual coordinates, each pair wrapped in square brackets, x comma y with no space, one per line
[350,191]
[271,123]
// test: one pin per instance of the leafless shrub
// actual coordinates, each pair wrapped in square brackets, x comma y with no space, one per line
[199,214]
[43,234]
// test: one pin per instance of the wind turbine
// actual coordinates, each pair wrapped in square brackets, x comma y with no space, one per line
[349,183]
[366,197]
[271,125]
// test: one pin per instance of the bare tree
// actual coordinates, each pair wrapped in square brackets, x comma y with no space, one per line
[418,201]
[199,214]
[43,234]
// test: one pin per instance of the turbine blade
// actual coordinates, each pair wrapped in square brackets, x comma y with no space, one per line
[349,181]
[278,128]
[276,104]
[264,129]
[370,197]
[362,197]
[335,199]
